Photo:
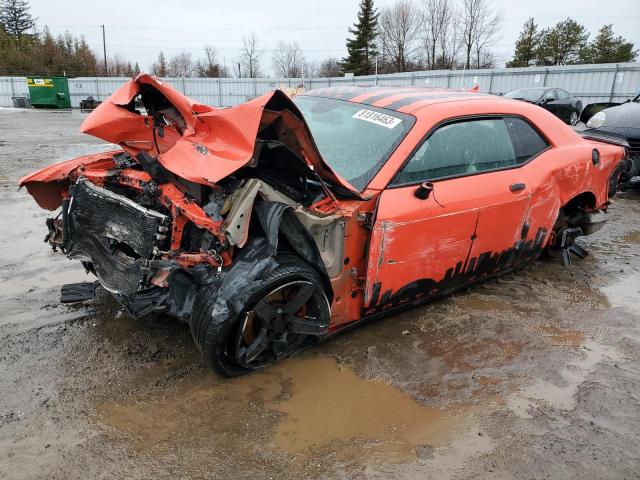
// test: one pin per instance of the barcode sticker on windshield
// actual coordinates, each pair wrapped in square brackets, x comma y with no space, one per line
[377,118]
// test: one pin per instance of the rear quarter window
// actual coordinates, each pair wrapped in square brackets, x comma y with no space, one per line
[527,142]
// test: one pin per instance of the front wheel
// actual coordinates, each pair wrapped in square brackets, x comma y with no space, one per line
[283,313]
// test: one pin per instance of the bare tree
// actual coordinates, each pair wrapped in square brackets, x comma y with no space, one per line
[250,56]
[330,67]
[181,65]
[287,60]
[399,28]
[116,67]
[451,44]
[437,16]
[310,69]
[209,66]
[480,25]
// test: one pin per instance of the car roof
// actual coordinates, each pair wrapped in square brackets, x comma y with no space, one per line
[400,99]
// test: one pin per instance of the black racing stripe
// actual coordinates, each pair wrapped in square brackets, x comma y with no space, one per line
[350,92]
[376,98]
[403,102]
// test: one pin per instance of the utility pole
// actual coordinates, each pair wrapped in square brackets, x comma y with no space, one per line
[104,51]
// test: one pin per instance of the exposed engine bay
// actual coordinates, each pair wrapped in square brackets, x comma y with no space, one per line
[178,208]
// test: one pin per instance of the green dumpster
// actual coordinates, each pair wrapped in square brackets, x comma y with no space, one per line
[49,92]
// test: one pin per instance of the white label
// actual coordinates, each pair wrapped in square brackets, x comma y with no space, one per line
[475,79]
[619,77]
[537,78]
[38,81]
[377,118]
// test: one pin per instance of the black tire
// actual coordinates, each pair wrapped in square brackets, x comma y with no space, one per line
[216,338]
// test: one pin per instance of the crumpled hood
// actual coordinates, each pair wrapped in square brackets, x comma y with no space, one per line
[209,143]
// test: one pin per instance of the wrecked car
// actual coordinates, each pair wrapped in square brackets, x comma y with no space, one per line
[276,223]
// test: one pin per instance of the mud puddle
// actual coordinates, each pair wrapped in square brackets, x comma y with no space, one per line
[316,404]
[625,292]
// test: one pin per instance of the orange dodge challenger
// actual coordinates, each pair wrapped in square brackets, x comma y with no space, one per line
[276,223]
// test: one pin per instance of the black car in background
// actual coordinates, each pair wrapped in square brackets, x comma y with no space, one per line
[622,119]
[558,101]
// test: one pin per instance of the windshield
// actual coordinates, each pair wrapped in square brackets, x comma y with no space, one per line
[529,94]
[355,140]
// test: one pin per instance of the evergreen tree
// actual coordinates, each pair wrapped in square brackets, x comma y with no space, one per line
[362,48]
[526,46]
[159,68]
[562,44]
[15,18]
[606,48]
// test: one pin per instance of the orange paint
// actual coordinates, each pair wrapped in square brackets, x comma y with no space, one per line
[398,249]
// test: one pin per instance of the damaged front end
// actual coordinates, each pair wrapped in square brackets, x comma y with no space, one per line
[192,196]
[116,239]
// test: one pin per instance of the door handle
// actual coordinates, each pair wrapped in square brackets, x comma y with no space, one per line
[516,187]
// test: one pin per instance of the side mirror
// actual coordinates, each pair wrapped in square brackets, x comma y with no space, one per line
[423,191]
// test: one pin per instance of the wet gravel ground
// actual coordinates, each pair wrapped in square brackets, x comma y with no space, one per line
[534,375]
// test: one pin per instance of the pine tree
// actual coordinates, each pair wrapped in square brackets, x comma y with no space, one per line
[606,48]
[15,18]
[562,44]
[159,69]
[526,46]
[362,48]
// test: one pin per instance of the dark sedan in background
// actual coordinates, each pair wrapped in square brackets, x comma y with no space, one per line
[558,101]
[624,120]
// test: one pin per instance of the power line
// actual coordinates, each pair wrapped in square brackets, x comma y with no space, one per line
[155,47]
[209,29]
[318,27]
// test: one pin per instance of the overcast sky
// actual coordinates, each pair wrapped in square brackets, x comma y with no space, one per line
[138,29]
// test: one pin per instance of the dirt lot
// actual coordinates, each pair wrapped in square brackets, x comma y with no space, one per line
[535,375]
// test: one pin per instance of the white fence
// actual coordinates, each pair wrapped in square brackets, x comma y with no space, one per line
[591,83]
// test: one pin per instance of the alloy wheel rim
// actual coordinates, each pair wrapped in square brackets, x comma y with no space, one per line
[278,324]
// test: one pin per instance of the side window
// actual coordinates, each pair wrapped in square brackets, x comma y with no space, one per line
[563,95]
[550,96]
[472,146]
[527,142]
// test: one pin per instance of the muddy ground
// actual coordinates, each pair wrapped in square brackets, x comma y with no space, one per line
[535,375]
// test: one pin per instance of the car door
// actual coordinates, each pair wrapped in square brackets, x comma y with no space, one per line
[456,211]
[549,102]
[564,104]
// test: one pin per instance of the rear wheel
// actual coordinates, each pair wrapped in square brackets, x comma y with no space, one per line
[285,312]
